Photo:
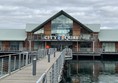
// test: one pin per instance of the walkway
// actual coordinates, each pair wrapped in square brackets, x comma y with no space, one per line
[25,74]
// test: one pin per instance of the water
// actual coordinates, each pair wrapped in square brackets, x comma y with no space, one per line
[95,71]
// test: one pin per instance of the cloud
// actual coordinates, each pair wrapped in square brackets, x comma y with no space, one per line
[19,12]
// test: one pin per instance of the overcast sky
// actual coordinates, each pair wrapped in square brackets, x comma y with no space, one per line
[16,13]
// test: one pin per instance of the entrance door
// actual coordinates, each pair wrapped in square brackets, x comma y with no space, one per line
[61,45]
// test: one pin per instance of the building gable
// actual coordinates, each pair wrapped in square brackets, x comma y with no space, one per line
[58,14]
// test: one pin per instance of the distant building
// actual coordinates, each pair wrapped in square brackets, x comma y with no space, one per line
[60,31]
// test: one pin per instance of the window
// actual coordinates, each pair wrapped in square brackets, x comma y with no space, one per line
[14,45]
[61,25]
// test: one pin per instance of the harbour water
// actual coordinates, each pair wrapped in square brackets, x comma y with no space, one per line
[91,71]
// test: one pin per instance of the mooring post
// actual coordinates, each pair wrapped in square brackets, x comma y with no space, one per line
[34,65]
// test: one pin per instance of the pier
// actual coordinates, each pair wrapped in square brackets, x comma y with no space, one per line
[49,66]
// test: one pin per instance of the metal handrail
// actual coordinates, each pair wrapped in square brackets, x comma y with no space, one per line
[12,62]
[53,74]
[11,49]
[87,50]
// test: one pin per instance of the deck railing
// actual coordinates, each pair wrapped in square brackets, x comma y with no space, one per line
[53,74]
[95,50]
[88,50]
[13,62]
[12,49]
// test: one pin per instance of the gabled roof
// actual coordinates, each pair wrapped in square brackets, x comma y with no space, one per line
[30,27]
[58,14]
[12,35]
[94,27]
[110,35]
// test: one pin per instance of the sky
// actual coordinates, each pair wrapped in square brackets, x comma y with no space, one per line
[17,13]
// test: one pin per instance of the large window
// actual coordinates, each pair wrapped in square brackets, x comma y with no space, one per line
[39,34]
[108,47]
[40,31]
[61,26]
[14,45]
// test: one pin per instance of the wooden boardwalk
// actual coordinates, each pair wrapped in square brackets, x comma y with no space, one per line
[25,74]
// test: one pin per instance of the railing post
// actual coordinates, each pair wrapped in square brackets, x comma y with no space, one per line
[14,62]
[9,65]
[19,60]
[26,63]
[23,59]
[56,73]
[2,66]
[34,66]
[50,77]
[53,73]
[93,45]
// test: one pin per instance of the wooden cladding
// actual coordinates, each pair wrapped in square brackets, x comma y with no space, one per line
[47,29]
[116,44]
[6,45]
[76,29]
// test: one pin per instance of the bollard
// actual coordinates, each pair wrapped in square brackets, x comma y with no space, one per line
[54,54]
[48,52]
[34,66]
[48,57]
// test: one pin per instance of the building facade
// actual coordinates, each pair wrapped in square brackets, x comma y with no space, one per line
[61,31]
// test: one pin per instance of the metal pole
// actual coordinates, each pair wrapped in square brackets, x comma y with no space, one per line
[54,52]
[9,65]
[93,46]
[20,61]
[14,62]
[23,60]
[93,49]
[52,73]
[2,66]
[26,63]
[77,46]
[50,77]
[34,66]
[48,55]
